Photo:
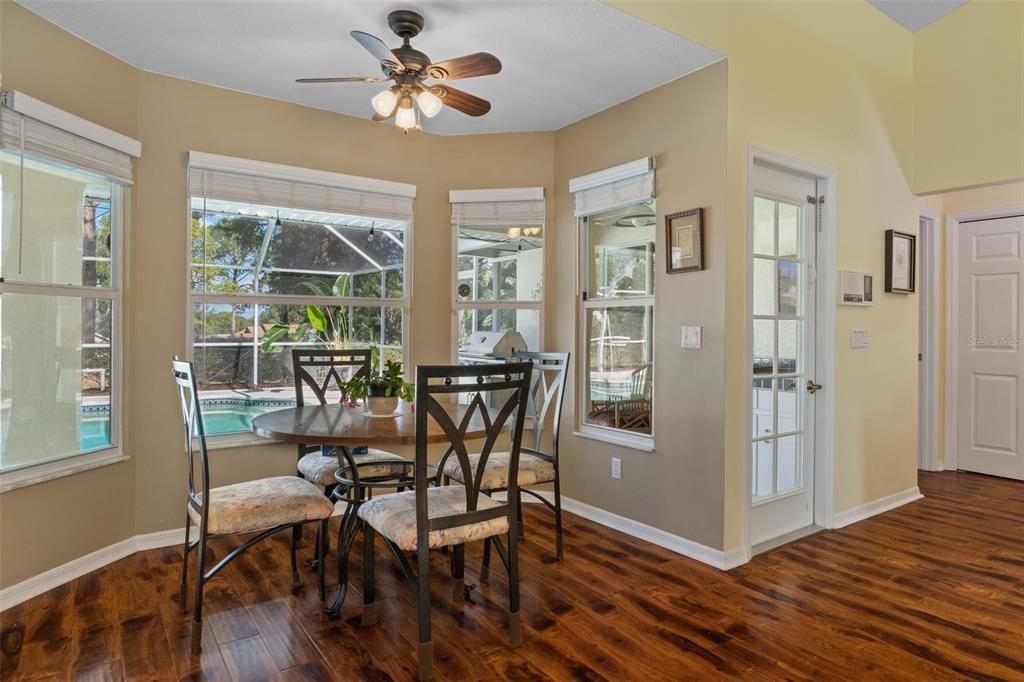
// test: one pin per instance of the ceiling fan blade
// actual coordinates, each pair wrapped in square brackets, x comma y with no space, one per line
[378,49]
[463,101]
[468,66]
[344,79]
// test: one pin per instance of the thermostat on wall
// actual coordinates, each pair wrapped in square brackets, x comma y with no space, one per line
[856,288]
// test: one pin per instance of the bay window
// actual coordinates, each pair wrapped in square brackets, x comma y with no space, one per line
[278,263]
[61,219]
[498,237]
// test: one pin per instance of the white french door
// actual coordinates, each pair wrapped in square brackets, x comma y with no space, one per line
[782,354]
[990,357]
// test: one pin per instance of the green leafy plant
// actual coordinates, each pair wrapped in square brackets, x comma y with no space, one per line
[328,323]
[382,384]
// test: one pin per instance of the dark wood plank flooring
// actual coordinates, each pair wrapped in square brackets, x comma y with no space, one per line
[931,591]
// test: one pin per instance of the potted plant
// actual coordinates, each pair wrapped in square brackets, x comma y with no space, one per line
[381,389]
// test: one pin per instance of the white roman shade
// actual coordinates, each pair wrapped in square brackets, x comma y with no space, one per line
[36,130]
[271,184]
[497,207]
[622,185]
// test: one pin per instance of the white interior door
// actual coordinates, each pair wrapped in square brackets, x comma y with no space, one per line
[782,377]
[990,360]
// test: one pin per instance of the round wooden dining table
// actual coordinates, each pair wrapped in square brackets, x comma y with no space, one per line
[344,427]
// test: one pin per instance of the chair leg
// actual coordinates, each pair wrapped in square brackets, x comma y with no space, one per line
[519,508]
[558,520]
[425,651]
[183,593]
[369,589]
[485,566]
[321,561]
[459,573]
[296,535]
[515,627]
[197,611]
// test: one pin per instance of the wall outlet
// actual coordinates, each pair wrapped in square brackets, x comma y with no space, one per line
[691,338]
[616,467]
[859,338]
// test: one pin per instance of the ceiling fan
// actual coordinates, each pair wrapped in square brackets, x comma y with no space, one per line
[409,68]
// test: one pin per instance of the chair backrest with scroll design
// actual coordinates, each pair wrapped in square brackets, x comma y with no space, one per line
[337,367]
[508,385]
[191,412]
[550,374]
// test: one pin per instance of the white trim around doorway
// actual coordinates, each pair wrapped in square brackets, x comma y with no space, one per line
[931,283]
[953,221]
[825,316]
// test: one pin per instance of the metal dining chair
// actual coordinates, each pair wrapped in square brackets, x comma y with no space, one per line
[325,371]
[430,517]
[538,464]
[264,506]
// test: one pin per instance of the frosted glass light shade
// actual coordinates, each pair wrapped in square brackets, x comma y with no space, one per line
[384,102]
[429,103]
[406,118]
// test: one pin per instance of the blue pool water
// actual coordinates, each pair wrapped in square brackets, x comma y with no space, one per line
[230,415]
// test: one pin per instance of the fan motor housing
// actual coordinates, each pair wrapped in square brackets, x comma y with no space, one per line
[405,23]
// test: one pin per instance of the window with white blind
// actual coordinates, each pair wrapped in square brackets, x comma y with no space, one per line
[498,237]
[617,230]
[63,186]
[283,258]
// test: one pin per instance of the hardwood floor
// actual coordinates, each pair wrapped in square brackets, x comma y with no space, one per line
[931,591]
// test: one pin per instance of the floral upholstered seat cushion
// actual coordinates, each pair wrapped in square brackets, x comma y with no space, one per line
[263,503]
[532,470]
[394,517]
[319,468]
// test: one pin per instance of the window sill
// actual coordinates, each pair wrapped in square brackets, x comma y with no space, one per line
[626,440]
[48,471]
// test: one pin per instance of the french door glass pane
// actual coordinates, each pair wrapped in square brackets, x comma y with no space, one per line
[56,224]
[789,346]
[787,474]
[789,230]
[764,226]
[764,286]
[764,408]
[764,346]
[57,371]
[788,405]
[762,468]
[789,287]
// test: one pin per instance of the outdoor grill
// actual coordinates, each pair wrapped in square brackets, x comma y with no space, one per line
[490,347]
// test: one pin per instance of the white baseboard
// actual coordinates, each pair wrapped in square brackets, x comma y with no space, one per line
[722,560]
[76,568]
[882,504]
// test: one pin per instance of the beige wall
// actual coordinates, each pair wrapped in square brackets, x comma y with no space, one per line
[829,83]
[679,487]
[969,97]
[941,206]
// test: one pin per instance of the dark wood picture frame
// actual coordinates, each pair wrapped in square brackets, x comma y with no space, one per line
[693,259]
[892,268]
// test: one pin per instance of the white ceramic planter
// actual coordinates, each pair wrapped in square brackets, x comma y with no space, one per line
[382,406]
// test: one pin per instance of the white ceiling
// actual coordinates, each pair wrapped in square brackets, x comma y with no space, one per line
[563,60]
[914,15]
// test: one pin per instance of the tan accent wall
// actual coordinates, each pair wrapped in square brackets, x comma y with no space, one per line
[679,487]
[969,97]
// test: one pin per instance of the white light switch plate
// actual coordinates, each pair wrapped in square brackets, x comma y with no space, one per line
[691,338]
[859,338]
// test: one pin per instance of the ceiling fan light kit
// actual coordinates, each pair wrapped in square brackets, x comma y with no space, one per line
[408,68]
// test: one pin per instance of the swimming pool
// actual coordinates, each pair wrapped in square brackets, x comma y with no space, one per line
[220,415]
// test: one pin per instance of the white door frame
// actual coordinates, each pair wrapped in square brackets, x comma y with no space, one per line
[953,221]
[928,402]
[825,325]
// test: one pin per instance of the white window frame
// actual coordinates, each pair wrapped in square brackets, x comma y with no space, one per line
[48,469]
[301,175]
[494,195]
[585,429]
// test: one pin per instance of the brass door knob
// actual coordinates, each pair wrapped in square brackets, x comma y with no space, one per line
[813,387]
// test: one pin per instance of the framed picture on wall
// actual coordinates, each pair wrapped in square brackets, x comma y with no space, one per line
[684,236]
[900,262]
